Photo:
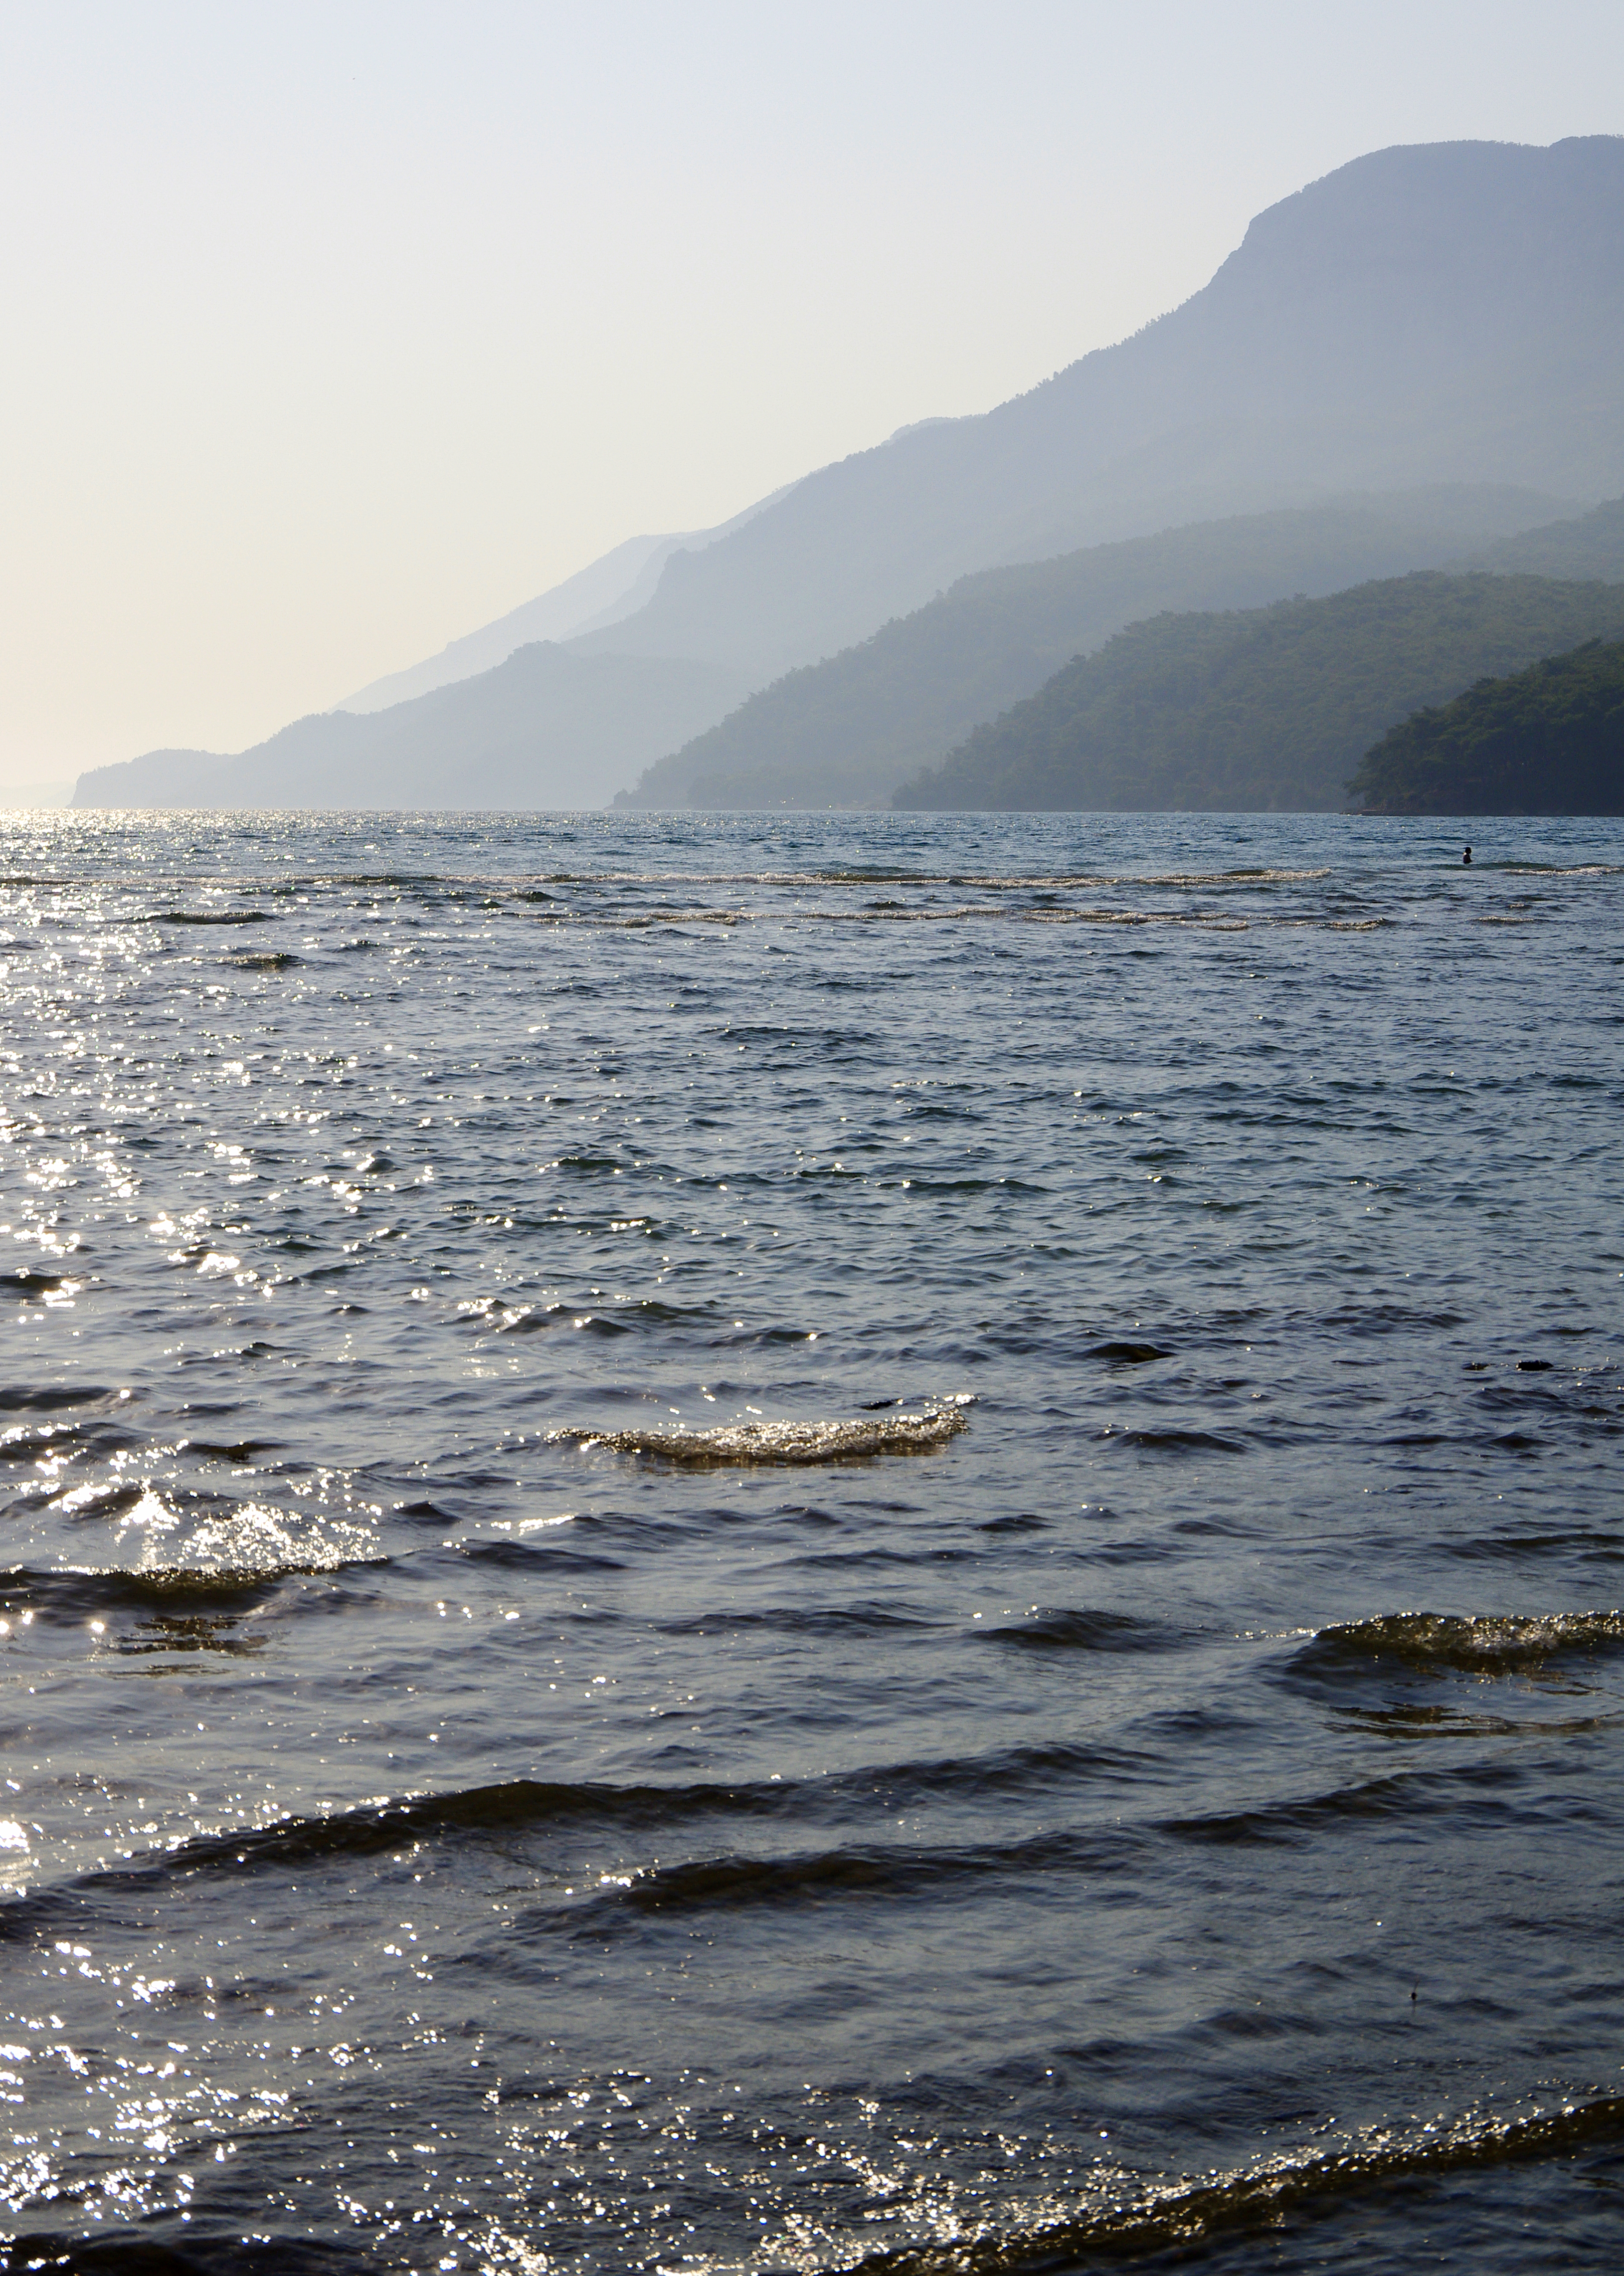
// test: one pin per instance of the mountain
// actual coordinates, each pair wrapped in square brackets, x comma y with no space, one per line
[546,729]
[607,589]
[1260,710]
[1592,546]
[1452,312]
[847,731]
[1546,740]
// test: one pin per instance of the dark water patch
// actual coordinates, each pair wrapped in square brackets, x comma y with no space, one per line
[161,1633]
[68,1596]
[214,2245]
[809,1620]
[1473,1790]
[1584,1546]
[1087,1631]
[535,1556]
[56,1399]
[1151,1440]
[1390,1319]
[863,1874]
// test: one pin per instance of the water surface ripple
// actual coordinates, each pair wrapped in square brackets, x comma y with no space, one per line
[846,1541]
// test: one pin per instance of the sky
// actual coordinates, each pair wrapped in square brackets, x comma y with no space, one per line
[333,331]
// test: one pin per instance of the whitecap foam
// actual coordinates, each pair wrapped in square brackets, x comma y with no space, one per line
[1478,1643]
[821,1441]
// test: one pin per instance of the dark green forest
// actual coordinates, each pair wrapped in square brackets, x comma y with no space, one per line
[1260,709]
[1546,740]
[847,731]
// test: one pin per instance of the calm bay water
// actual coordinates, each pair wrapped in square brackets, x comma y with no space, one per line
[1176,1818]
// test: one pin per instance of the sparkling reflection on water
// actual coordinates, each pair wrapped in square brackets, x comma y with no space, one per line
[444,1824]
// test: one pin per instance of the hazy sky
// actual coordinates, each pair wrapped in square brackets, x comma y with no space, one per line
[332,331]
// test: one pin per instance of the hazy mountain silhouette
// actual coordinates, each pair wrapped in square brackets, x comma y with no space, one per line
[1260,709]
[1591,546]
[615,585]
[1452,313]
[1447,313]
[545,729]
[848,731]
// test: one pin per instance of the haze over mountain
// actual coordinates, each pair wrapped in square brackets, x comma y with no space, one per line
[547,728]
[1446,312]
[1262,709]
[1452,313]
[848,731]
[613,587]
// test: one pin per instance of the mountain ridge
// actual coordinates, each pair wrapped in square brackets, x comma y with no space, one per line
[1258,710]
[1427,313]
[526,733]
[849,729]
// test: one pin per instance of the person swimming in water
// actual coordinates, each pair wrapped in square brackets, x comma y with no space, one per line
[1465,858]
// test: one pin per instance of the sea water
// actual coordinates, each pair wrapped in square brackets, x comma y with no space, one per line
[741,1543]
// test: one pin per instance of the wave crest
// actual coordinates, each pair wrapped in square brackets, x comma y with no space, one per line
[746,1443]
[1466,1644]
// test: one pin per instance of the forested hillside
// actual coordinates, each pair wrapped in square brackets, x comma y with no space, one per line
[1260,709]
[847,731]
[1546,740]
[1591,545]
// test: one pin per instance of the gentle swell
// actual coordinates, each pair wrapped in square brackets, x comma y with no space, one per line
[1086,1631]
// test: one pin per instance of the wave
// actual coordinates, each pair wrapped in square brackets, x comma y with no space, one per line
[1126,2219]
[1151,1441]
[205,917]
[1485,1644]
[867,1870]
[224,1551]
[1067,1631]
[393,1822]
[746,1443]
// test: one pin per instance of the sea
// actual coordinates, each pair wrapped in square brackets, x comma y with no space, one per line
[811,1543]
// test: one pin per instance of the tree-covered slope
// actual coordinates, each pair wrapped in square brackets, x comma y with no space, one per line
[1546,740]
[1260,709]
[1591,545]
[847,731]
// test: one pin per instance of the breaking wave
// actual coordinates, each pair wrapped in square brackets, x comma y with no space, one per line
[1461,1643]
[736,1443]
[1121,2218]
